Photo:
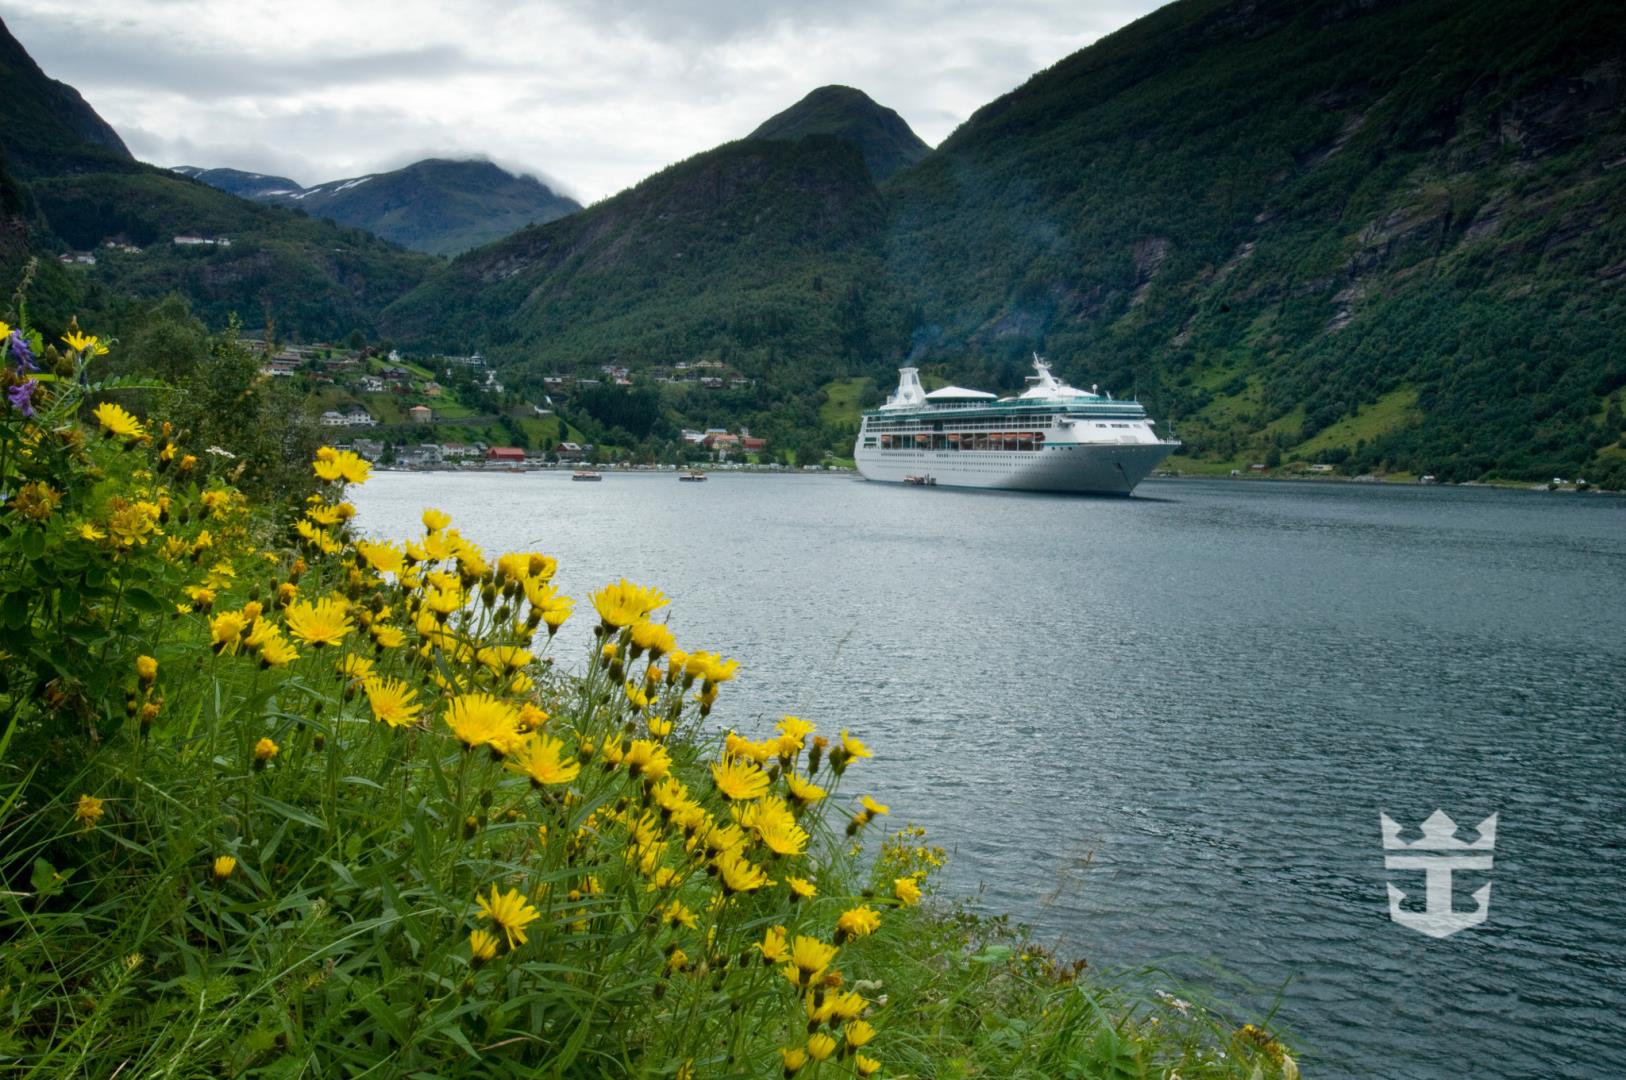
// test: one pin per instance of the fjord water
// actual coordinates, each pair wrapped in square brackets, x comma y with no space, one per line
[1162,729]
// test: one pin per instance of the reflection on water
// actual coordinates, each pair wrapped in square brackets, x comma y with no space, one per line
[1162,729]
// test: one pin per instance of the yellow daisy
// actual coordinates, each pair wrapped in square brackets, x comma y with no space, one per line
[325,622]
[393,702]
[510,911]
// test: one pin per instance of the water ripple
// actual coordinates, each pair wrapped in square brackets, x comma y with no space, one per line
[1162,729]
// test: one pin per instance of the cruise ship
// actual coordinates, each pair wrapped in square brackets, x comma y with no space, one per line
[1052,437]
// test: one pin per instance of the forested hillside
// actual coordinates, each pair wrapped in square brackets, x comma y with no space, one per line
[1390,232]
[762,254]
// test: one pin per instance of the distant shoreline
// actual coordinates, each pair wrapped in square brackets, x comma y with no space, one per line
[1377,481]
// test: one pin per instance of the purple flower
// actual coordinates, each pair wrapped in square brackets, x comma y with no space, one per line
[20,350]
[21,396]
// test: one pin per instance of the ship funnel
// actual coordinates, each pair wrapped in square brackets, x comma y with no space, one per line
[909,392]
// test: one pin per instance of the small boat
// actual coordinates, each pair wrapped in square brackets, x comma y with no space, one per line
[921,481]
[692,477]
[586,474]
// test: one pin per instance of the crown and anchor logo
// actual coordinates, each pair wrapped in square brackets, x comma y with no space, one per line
[1438,854]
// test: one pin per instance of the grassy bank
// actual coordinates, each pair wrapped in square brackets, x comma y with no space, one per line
[276,801]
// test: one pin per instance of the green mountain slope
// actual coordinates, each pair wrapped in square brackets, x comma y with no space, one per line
[881,135]
[763,254]
[1278,218]
[436,206]
[47,126]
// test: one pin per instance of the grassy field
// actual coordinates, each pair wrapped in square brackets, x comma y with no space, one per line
[840,408]
[1390,412]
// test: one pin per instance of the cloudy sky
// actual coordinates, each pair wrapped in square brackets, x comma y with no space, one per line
[593,95]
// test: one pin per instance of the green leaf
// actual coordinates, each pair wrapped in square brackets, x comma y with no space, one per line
[47,880]
[292,813]
[143,601]
[14,610]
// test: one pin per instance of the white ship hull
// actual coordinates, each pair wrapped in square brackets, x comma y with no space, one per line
[1107,469]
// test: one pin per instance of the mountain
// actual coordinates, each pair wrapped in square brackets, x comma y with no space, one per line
[762,254]
[1381,235]
[80,189]
[47,126]
[881,135]
[436,206]
[247,185]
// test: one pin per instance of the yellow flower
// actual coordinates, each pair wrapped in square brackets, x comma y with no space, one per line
[801,888]
[636,696]
[738,874]
[88,811]
[624,603]
[224,865]
[116,421]
[84,344]
[265,750]
[89,531]
[874,807]
[820,1046]
[352,666]
[858,1033]
[435,520]
[865,1066]
[907,890]
[324,515]
[656,637]
[544,760]
[277,652]
[442,602]
[387,637]
[794,1060]
[775,826]
[482,720]
[853,747]
[803,791]
[648,758]
[510,911]
[384,558]
[325,622]
[392,701]
[225,630]
[710,667]
[131,524]
[146,669]
[678,915]
[503,659]
[482,945]
[858,922]
[343,465]
[773,948]
[36,501]
[739,779]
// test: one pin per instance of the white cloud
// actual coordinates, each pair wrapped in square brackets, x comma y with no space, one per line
[599,93]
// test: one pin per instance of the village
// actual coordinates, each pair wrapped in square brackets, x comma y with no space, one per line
[393,410]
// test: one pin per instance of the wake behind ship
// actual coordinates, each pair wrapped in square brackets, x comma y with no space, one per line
[1052,437]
